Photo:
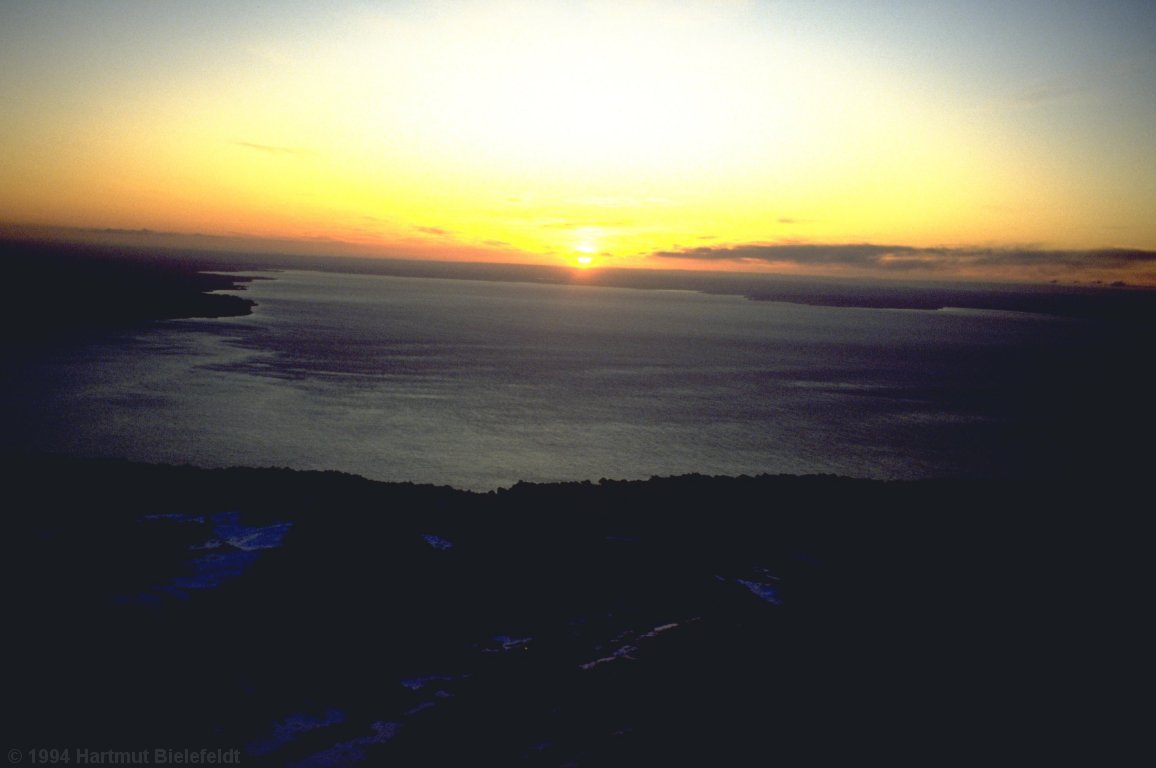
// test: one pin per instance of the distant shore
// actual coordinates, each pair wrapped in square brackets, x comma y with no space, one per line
[91,285]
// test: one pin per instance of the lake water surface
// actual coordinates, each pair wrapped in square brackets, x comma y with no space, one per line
[481,384]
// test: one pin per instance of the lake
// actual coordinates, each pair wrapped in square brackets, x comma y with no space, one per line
[481,384]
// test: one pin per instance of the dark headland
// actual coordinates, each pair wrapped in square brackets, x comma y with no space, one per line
[55,289]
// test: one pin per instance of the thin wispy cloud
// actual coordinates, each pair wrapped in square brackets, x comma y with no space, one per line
[274,149]
[587,224]
[1045,93]
[618,202]
[116,231]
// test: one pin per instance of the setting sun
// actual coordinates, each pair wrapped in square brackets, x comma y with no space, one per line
[606,348]
[696,134]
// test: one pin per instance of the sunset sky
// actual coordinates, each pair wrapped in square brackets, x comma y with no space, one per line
[1005,139]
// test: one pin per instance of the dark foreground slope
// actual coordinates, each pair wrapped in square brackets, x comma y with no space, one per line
[321,619]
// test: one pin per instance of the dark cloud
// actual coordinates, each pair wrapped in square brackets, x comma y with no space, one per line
[1103,258]
[864,254]
[115,231]
[909,258]
[438,231]
[1123,256]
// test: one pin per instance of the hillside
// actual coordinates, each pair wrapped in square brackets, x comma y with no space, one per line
[321,619]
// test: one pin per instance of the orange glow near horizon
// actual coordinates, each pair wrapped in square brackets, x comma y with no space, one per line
[536,131]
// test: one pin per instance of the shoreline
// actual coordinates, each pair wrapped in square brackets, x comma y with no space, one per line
[171,283]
